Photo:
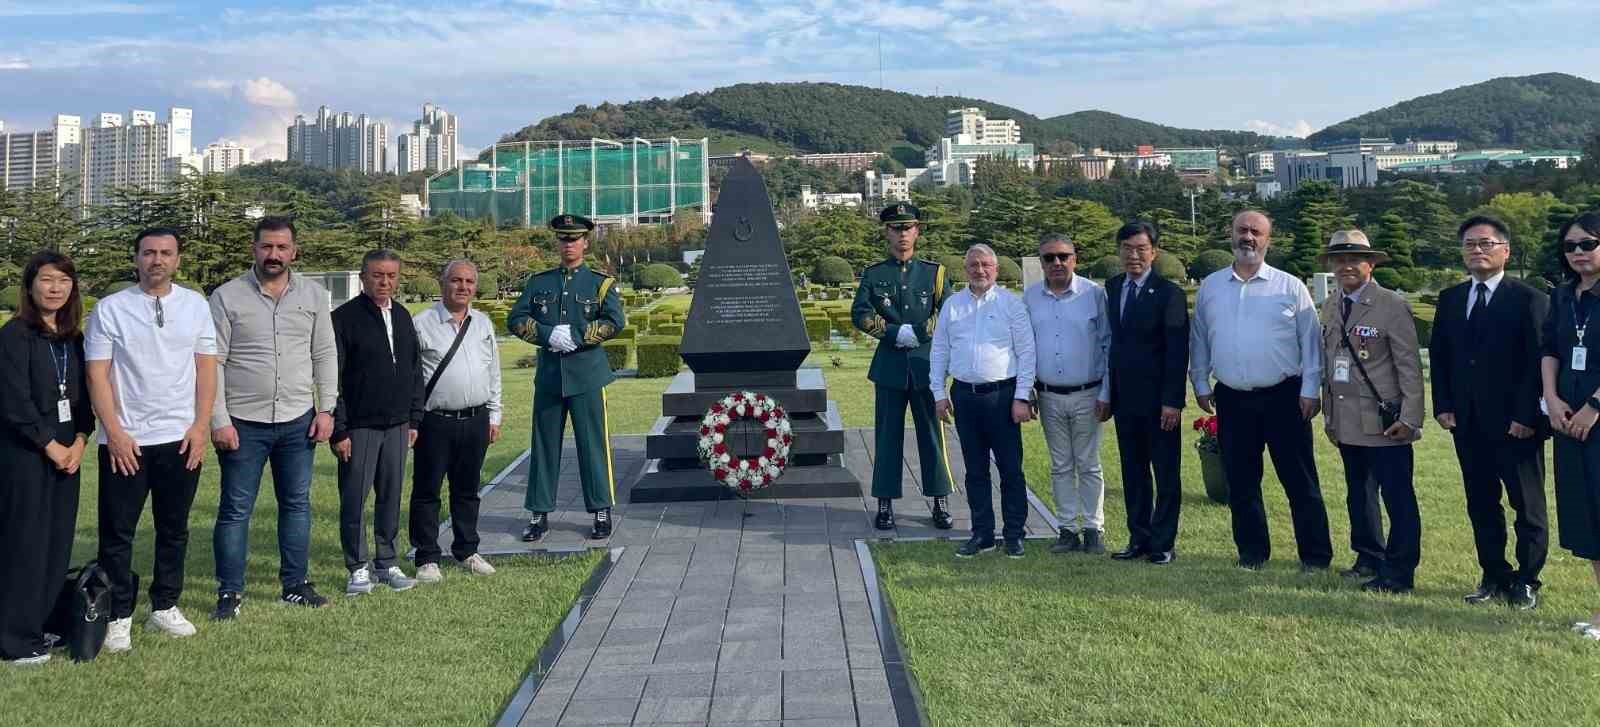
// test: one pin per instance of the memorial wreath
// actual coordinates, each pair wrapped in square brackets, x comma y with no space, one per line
[745,474]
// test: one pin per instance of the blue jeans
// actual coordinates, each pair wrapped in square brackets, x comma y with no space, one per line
[290,451]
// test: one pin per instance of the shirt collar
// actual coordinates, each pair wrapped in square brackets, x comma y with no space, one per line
[1493,282]
[250,275]
[1140,281]
[988,295]
[1356,294]
[375,304]
[444,313]
[1074,287]
[1262,273]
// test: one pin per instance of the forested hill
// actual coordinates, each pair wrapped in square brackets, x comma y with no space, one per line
[1549,110]
[831,117]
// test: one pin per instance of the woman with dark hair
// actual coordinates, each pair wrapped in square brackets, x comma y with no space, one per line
[45,418]
[1572,395]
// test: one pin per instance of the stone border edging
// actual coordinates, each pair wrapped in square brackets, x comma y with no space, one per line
[903,690]
[517,706]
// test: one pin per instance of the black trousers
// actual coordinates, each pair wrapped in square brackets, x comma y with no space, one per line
[38,516]
[377,465]
[1371,473]
[170,488]
[983,421]
[1489,464]
[453,447]
[1144,448]
[1270,417]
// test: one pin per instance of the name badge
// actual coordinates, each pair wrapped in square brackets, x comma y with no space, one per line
[1366,332]
[1341,370]
[63,411]
[1580,358]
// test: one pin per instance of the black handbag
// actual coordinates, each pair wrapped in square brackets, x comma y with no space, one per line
[83,611]
[1388,409]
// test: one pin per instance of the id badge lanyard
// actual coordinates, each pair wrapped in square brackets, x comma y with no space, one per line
[58,357]
[1580,325]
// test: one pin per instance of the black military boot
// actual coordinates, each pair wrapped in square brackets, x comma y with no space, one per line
[602,525]
[941,514]
[538,525]
[885,518]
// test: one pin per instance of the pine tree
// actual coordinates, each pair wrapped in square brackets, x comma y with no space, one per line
[1394,238]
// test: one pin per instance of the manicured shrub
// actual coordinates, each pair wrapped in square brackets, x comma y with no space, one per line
[955,268]
[832,270]
[627,334]
[1208,262]
[10,298]
[422,287]
[488,286]
[1010,271]
[656,276]
[817,329]
[1388,278]
[1106,267]
[658,357]
[616,353]
[1170,266]
[668,329]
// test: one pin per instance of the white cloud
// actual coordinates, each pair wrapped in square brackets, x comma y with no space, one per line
[14,64]
[264,91]
[1300,128]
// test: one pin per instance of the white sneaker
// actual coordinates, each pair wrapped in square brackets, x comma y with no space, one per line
[118,635]
[429,573]
[171,621]
[360,582]
[478,565]
[35,660]
[396,579]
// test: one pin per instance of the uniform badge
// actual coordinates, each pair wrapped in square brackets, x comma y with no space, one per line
[1367,331]
[925,296]
[1364,354]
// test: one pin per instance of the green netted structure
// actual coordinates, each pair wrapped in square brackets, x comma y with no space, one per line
[617,182]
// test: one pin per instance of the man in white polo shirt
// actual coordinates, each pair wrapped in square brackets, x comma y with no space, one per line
[151,351]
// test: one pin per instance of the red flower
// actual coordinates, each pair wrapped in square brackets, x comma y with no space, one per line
[764,416]
[778,412]
[716,408]
[720,448]
[761,397]
[787,439]
[768,452]
[705,431]
[781,462]
[719,473]
[766,480]
[744,486]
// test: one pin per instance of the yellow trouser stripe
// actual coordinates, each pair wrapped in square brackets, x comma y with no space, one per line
[605,424]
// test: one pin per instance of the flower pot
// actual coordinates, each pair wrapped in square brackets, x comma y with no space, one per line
[1215,477]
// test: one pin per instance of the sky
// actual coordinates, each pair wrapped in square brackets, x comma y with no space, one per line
[1274,66]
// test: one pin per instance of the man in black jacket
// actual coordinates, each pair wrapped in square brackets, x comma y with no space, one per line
[376,419]
[1149,359]
[1486,388]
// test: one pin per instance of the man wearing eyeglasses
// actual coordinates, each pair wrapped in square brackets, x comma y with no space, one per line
[1486,389]
[897,303]
[567,312]
[151,350]
[1071,339]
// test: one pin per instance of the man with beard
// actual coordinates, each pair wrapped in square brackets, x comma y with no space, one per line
[1256,329]
[277,382]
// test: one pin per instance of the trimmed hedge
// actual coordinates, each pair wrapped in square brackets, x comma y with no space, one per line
[627,334]
[817,329]
[10,298]
[669,329]
[955,268]
[656,276]
[1106,267]
[1208,262]
[832,270]
[1170,266]
[616,353]
[1010,271]
[658,357]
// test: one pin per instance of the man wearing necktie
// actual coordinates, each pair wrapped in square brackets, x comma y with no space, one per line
[1486,387]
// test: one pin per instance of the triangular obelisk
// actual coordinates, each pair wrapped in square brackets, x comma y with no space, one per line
[745,317]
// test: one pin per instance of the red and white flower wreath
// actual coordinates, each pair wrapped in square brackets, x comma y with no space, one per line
[745,474]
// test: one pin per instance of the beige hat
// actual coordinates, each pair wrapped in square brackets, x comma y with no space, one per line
[1351,242]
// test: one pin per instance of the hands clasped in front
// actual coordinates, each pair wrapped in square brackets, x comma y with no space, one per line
[561,339]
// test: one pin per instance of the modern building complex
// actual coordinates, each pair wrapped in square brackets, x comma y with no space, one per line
[816,200]
[1479,160]
[135,152]
[431,145]
[1258,163]
[221,157]
[972,125]
[48,157]
[342,141]
[854,161]
[612,182]
[1192,161]
[970,136]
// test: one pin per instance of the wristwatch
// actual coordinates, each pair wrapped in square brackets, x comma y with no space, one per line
[1593,403]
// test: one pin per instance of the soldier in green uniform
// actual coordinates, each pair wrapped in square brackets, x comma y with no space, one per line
[567,311]
[897,303]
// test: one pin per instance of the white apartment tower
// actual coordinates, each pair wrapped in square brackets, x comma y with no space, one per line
[223,156]
[342,141]
[139,153]
[41,157]
[431,145]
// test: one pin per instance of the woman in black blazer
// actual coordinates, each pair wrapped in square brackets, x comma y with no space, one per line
[45,418]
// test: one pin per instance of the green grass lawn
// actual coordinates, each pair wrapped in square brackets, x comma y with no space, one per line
[1077,639]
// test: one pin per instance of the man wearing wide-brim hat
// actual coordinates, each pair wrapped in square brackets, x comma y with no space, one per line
[1373,409]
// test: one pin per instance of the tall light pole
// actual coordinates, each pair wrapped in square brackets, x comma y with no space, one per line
[1192,192]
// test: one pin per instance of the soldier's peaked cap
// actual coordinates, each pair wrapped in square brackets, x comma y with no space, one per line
[568,224]
[900,213]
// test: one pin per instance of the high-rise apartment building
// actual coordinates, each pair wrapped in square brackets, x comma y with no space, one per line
[342,141]
[221,157]
[971,126]
[431,145]
[41,157]
[140,153]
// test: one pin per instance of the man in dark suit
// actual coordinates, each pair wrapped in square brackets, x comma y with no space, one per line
[1486,388]
[1149,358]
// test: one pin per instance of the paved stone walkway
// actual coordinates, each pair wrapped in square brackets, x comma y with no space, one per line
[729,613]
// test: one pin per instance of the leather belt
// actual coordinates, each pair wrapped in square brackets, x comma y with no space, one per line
[992,386]
[467,413]
[1068,389]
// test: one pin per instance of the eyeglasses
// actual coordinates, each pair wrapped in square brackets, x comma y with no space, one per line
[1587,244]
[161,318]
[1056,257]
[1483,243]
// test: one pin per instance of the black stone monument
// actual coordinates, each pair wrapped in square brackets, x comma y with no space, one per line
[745,332]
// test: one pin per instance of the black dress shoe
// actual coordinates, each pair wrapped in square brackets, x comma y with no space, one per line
[538,525]
[1094,542]
[1384,585]
[1066,542]
[602,525]
[1486,592]
[1164,557]
[941,514]
[1522,597]
[885,518]
[1014,548]
[1132,552]
[975,545]
[1361,571]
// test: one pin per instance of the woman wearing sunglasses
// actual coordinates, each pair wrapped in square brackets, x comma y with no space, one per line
[1572,395]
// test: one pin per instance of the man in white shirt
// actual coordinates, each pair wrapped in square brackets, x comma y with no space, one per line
[461,419]
[984,342]
[151,352]
[1256,329]
[1072,336]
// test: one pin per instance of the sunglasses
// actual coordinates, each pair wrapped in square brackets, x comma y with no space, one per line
[1587,244]
[1055,257]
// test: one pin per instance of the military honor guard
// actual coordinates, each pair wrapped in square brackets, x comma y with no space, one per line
[897,303]
[567,312]
[1372,386]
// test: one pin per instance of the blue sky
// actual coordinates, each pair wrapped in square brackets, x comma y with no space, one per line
[246,68]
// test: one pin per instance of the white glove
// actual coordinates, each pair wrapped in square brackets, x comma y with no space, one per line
[907,337]
[561,339]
